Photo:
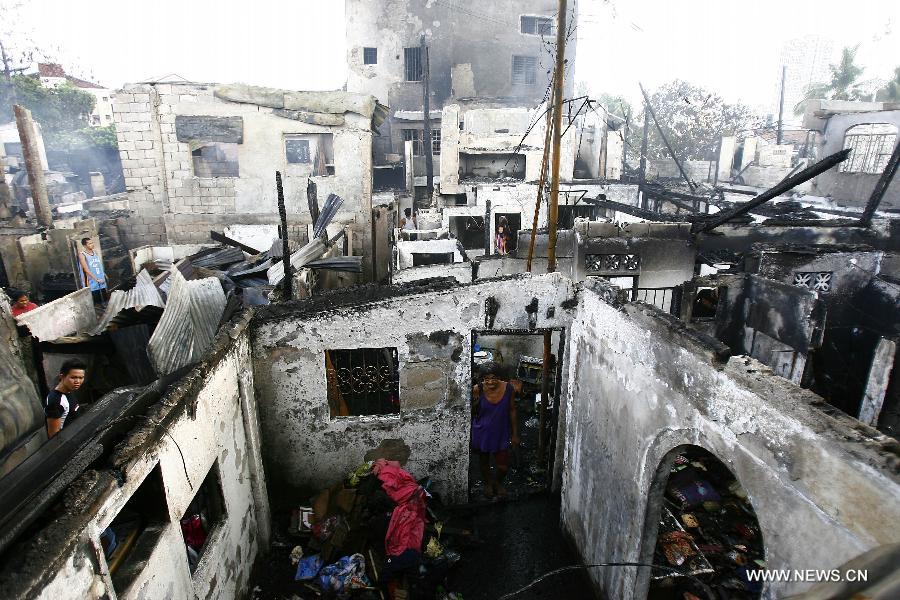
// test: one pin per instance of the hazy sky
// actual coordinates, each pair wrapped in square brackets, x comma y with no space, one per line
[728,46]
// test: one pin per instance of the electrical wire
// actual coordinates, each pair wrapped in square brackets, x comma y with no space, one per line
[670,570]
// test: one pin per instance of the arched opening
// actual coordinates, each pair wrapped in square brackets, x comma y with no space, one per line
[703,524]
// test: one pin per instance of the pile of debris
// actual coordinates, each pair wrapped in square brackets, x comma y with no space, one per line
[379,533]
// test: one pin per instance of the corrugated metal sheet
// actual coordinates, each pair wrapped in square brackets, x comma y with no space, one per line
[218,258]
[188,324]
[352,264]
[143,294]
[313,250]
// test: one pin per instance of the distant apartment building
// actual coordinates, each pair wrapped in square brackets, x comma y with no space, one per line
[489,54]
[53,75]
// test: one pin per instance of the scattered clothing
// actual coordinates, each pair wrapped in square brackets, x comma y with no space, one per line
[345,575]
[309,567]
[407,526]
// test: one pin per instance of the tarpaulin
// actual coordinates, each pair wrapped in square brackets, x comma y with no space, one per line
[407,526]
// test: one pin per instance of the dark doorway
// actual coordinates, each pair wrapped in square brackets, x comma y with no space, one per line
[519,356]
[514,223]
[704,526]
[469,231]
[568,213]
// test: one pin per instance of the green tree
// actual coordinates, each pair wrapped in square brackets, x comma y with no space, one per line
[62,111]
[891,91]
[693,119]
[843,84]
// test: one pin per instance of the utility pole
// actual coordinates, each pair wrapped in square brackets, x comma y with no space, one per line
[542,180]
[781,106]
[426,110]
[32,158]
[646,135]
[559,76]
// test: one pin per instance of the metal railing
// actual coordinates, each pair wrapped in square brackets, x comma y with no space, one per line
[663,298]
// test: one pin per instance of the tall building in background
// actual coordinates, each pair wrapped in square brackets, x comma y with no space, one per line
[490,52]
[807,59]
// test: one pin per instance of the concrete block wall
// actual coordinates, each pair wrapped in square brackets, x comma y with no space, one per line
[172,205]
[823,486]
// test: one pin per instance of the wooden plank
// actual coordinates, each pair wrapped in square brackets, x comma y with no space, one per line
[877,382]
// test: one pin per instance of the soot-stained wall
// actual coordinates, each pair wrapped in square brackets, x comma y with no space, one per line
[306,449]
[209,418]
[824,487]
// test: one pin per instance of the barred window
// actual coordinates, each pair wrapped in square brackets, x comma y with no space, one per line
[871,145]
[413,63]
[416,137]
[536,25]
[370,56]
[524,70]
[362,381]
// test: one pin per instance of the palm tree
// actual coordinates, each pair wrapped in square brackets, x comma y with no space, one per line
[843,84]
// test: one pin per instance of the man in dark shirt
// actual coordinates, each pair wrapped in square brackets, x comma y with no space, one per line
[61,406]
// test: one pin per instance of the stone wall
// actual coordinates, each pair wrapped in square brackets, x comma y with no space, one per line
[306,449]
[173,205]
[209,419]
[822,485]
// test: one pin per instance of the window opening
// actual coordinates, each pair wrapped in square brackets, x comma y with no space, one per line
[469,231]
[536,25]
[706,303]
[362,381]
[316,150]
[370,56]
[420,259]
[871,146]
[132,536]
[413,63]
[203,514]
[524,70]
[215,159]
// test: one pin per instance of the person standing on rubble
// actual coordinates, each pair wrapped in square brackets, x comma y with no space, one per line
[91,268]
[495,426]
[61,406]
[408,224]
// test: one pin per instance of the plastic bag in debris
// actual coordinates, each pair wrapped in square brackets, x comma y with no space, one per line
[345,575]
[308,567]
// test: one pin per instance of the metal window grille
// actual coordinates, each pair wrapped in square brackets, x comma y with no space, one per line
[612,262]
[414,136]
[524,70]
[869,153]
[370,56]
[536,25]
[413,63]
[819,281]
[363,381]
[661,298]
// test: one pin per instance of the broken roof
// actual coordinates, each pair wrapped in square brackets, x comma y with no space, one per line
[308,105]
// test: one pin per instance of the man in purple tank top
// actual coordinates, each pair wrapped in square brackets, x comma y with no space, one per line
[495,426]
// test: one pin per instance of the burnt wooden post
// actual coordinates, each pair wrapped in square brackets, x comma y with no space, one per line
[32,157]
[288,282]
[426,114]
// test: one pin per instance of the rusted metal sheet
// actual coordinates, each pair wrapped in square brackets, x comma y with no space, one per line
[143,294]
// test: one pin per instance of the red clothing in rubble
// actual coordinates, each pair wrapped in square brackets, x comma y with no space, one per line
[407,526]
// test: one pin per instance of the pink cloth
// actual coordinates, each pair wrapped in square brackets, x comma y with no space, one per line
[407,526]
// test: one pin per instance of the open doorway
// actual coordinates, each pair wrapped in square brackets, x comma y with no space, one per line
[517,357]
[514,224]
[704,526]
